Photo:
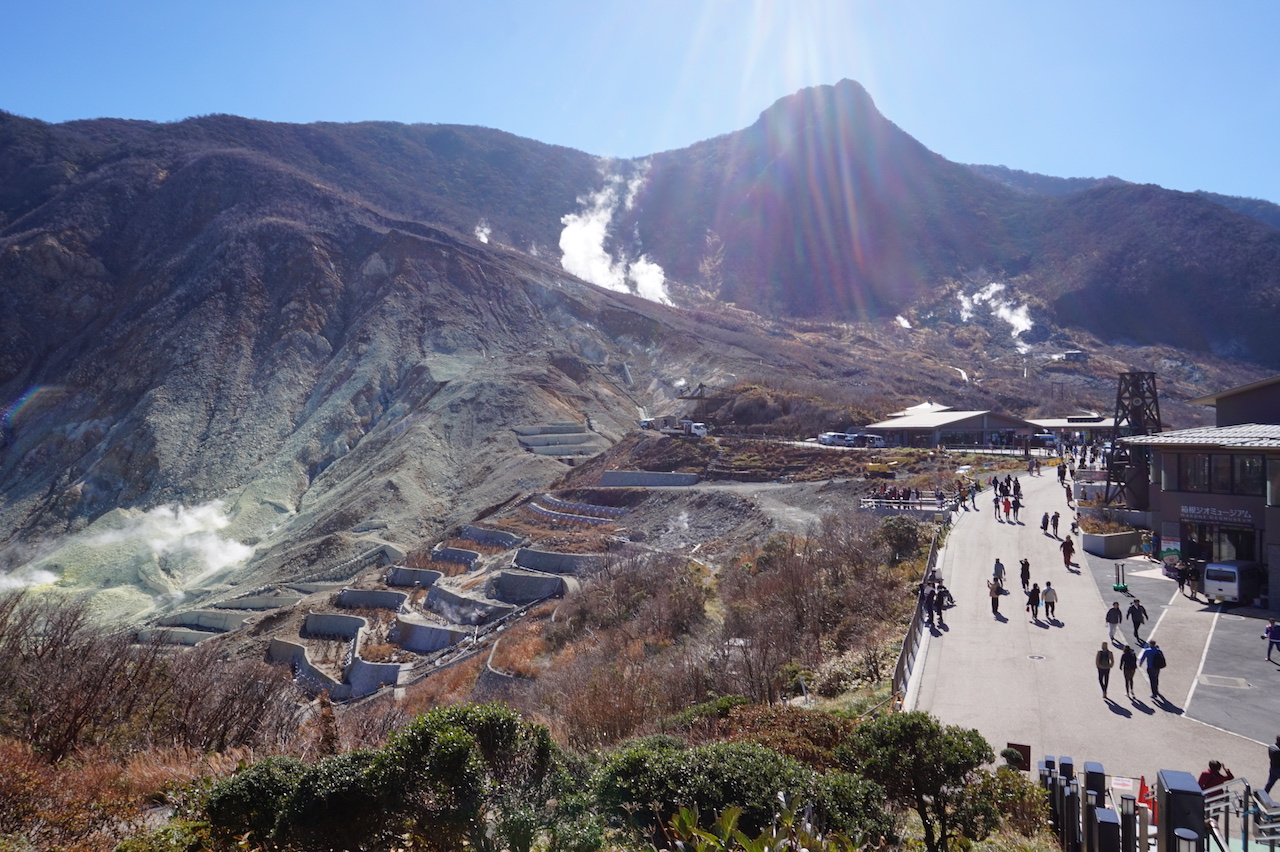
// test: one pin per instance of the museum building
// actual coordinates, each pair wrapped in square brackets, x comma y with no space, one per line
[1214,492]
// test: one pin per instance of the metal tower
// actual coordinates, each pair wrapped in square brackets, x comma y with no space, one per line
[1137,413]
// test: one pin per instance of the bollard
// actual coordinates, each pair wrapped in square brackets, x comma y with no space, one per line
[1071,818]
[1095,781]
[1128,824]
[1107,829]
[1181,807]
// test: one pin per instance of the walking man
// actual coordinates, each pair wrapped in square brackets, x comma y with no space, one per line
[1138,615]
[1153,658]
[1068,548]
[1104,660]
[1017,506]
[1114,619]
[993,589]
[1050,598]
[1053,522]
[997,573]
[926,602]
[1273,754]
[1272,634]
[1026,575]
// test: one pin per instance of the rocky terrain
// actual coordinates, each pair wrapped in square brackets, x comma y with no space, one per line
[239,355]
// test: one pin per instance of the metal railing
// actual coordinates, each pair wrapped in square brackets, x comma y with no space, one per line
[911,643]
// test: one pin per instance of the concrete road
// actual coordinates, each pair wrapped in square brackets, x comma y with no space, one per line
[1033,681]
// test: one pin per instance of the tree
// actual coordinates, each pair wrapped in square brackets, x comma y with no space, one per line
[924,766]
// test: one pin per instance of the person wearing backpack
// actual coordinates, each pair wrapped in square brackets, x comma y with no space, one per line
[1153,658]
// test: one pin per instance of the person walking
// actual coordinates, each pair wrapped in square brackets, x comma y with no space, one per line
[927,599]
[1114,619]
[1146,544]
[993,589]
[1053,522]
[1104,660]
[1044,523]
[1215,776]
[1017,506]
[1068,548]
[1128,666]
[1025,572]
[995,503]
[1050,598]
[1272,634]
[1180,572]
[1153,658]
[1138,615]
[1007,507]
[997,573]
[1273,755]
[1193,579]
[1033,601]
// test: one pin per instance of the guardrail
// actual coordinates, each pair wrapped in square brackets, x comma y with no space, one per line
[911,644]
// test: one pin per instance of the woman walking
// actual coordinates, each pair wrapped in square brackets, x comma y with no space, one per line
[1068,548]
[1033,602]
[1128,665]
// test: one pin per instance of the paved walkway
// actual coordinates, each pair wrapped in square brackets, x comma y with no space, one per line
[1034,682]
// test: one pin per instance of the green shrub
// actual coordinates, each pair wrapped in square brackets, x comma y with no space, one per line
[337,805]
[251,800]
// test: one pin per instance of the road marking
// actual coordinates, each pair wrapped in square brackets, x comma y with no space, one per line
[1225,682]
[1186,705]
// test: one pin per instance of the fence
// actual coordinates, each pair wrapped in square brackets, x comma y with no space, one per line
[911,644]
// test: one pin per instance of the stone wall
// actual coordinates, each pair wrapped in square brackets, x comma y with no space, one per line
[456,555]
[258,602]
[208,619]
[311,678]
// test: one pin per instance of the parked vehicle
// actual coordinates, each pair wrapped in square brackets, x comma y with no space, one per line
[832,439]
[1234,580]
[864,439]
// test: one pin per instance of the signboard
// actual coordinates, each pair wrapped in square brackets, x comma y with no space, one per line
[1211,515]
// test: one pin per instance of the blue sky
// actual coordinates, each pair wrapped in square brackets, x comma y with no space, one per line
[1182,94]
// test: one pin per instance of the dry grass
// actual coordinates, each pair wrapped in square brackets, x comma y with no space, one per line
[451,686]
[521,651]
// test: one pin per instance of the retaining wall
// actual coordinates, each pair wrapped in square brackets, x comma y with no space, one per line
[645,479]
[423,638]
[258,602]
[563,517]
[553,502]
[556,440]
[402,576]
[206,618]
[366,678]
[174,635]
[487,536]
[375,598]
[520,589]
[557,563]
[464,610]
[456,555]
[333,624]
[563,427]
[283,651]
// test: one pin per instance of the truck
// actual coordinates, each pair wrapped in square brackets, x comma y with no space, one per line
[668,424]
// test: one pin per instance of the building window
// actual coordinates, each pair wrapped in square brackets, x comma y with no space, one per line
[1193,474]
[1220,474]
[1247,476]
[1273,482]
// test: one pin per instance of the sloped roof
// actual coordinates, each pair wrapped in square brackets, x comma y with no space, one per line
[936,419]
[1246,436]
[1212,399]
[1076,423]
[922,408]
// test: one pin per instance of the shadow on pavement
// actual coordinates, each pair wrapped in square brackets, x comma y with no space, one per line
[1118,709]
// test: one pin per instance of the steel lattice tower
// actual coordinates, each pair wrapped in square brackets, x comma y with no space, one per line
[1137,413]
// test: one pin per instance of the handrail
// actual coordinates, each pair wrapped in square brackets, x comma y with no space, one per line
[911,644]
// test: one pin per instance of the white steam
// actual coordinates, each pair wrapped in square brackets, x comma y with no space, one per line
[24,577]
[1017,316]
[178,531]
[483,230]
[583,250]
[902,321]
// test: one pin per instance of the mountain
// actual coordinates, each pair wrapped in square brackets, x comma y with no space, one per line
[242,352]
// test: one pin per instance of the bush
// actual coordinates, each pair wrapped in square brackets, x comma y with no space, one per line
[336,805]
[251,800]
